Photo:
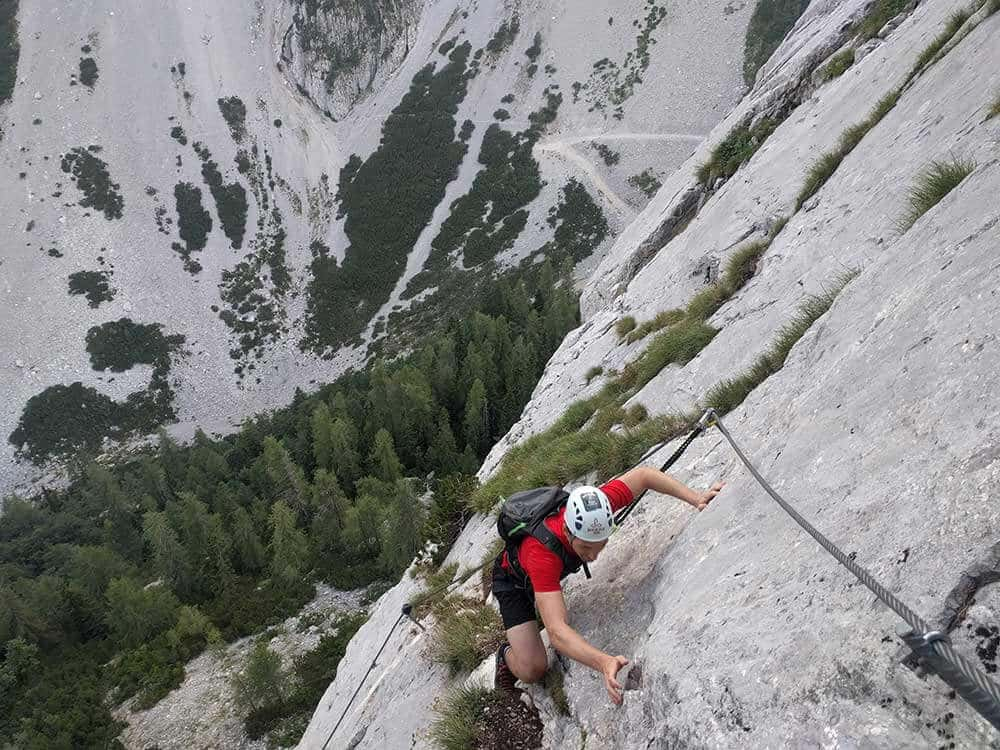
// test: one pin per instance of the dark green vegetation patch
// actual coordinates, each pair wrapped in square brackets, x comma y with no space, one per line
[194,223]
[91,176]
[230,202]
[10,49]
[234,112]
[94,284]
[88,72]
[504,36]
[120,345]
[64,419]
[387,200]
[177,133]
[770,22]
[608,155]
[646,181]
[488,219]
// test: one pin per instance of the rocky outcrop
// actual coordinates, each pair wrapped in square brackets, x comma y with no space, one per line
[338,53]
[880,427]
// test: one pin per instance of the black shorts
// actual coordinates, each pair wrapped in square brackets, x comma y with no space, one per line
[517,604]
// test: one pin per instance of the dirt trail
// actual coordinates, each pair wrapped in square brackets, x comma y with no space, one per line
[564,148]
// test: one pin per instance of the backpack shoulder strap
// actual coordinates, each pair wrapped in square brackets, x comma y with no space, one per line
[541,532]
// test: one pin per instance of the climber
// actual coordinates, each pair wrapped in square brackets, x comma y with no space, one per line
[527,575]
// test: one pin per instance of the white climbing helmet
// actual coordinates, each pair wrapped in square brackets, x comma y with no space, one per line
[588,514]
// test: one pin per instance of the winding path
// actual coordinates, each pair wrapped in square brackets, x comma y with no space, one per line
[564,148]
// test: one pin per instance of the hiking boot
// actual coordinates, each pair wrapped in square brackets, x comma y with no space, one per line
[504,679]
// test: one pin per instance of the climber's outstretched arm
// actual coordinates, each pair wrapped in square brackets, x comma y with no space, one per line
[644,478]
[565,640]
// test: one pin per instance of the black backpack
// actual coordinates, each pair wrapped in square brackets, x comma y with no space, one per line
[522,515]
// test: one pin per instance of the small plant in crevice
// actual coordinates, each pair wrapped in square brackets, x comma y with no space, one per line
[660,321]
[555,685]
[624,326]
[837,65]
[735,150]
[594,372]
[955,22]
[930,186]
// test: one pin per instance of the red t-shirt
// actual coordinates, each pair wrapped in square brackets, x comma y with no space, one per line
[542,565]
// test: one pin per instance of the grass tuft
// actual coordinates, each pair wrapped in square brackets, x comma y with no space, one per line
[662,320]
[837,65]
[931,185]
[555,684]
[594,372]
[878,16]
[729,394]
[821,171]
[624,326]
[955,21]
[466,631]
[735,150]
[459,716]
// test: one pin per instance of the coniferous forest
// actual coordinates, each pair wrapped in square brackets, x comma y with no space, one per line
[109,586]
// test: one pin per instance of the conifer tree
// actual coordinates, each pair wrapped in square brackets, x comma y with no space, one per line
[442,453]
[289,548]
[382,461]
[345,461]
[248,552]
[476,421]
[322,436]
[168,555]
[400,533]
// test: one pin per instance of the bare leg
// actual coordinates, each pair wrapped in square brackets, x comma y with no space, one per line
[526,656]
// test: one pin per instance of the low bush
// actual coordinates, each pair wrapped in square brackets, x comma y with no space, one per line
[931,185]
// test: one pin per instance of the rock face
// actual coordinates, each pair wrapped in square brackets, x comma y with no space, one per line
[341,52]
[880,428]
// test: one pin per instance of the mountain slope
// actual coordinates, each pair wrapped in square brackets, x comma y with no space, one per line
[196,189]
